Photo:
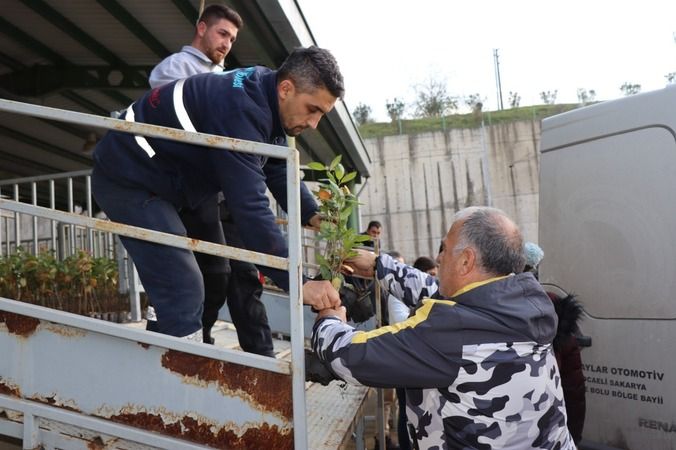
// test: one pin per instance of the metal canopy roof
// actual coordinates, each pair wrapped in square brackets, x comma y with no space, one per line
[95,56]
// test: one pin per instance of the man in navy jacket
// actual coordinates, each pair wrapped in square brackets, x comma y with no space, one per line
[146,181]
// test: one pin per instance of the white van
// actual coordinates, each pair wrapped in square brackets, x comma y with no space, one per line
[608,228]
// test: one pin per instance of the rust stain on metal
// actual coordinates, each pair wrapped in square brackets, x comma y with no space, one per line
[8,388]
[272,391]
[202,433]
[17,324]
[213,140]
[65,330]
[96,444]
[144,345]
[54,401]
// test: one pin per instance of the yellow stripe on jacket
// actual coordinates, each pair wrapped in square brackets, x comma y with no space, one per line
[420,316]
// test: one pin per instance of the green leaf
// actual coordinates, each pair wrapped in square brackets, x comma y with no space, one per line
[352,254]
[362,238]
[345,213]
[340,172]
[335,162]
[349,177]
[321,260]
[316,166]
[334,187]
[326,273]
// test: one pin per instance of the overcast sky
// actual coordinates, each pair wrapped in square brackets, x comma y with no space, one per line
[386,47]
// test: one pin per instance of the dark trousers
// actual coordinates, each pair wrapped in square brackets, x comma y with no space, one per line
[402,423]
[203,223]
[244,298]
[188,289]
[170,276]
[234,280]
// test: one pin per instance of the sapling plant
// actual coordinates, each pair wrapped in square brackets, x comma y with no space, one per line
[336,203]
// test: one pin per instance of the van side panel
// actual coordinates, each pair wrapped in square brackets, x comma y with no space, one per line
[608,228]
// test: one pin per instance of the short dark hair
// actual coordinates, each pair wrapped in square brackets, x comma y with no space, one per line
[495,237]
[374,223]
[216,12]
[394,254]
[312,68]
[425,263]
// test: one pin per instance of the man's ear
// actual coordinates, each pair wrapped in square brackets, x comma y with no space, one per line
[284,88]
[201,29]
[466,261]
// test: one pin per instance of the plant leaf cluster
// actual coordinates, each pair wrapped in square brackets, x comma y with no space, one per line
[80,284]
[336,203]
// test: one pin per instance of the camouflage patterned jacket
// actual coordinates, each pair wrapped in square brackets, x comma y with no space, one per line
[479,369]
[404,282]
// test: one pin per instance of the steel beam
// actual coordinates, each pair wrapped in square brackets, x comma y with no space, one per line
[40,80]
[37,143]
[17,34]
[135,27]
[187,9]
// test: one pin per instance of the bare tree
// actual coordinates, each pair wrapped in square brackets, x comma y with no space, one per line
[475,103]
[432,100]
[514,99]
[585,96]
[630,89]
[362,114]
[549,97]
[395,109]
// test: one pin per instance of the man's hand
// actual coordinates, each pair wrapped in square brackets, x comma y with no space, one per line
[320,295]
[338,312]
[363,264]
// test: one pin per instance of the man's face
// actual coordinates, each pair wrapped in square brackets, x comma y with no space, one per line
[448,262]
[374,232]
[299,111]
[216,40]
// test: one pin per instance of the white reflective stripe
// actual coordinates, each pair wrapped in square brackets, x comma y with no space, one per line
[179,107]
[140,140]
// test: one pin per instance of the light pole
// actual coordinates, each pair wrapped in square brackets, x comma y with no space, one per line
[498,83]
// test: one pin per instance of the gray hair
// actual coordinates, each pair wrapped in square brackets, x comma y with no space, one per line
[495,238]
[312,68]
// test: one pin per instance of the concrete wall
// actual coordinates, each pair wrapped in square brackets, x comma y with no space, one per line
[420,181]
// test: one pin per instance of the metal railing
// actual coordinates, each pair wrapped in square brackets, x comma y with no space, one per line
[293,263]
[63,240]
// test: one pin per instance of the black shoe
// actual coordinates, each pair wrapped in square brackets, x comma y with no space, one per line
[206,336]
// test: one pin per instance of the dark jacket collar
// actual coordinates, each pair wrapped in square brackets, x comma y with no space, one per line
[269,81]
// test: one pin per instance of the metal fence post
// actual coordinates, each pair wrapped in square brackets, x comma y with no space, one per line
[71,228]
[52,226]
[90,232]
[17,221]
[34,199]
[296,300]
